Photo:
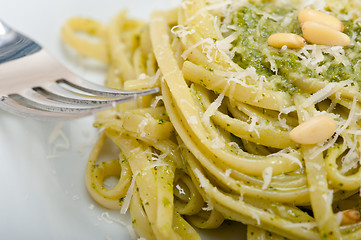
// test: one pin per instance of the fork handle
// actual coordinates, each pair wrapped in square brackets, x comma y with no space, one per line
[7,36]
[14,45]
[4,28]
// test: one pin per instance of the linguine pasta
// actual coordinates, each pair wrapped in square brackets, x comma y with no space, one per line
[214,144]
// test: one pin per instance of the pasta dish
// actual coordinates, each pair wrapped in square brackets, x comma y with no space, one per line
[257,120]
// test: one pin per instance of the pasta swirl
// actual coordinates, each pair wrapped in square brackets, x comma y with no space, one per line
[215,143]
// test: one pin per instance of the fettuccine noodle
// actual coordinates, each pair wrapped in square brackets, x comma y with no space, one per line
[214,144]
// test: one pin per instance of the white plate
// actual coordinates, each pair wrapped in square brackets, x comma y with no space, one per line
[42,182]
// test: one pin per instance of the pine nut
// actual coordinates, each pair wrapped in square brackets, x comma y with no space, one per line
[350,216]
[315,130]
[310,15]
[278,40]
[316,33]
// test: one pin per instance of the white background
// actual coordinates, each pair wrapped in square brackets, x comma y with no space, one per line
[42,192]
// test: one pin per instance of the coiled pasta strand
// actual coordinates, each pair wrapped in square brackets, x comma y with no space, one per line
[214,144]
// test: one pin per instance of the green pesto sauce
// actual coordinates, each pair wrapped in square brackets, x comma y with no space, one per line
[255,23]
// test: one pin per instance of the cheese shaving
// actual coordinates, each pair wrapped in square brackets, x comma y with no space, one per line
[58,140]
[339,217]
[306,225]
[288,110]
[105,216]
[191,48]
[202,180]
[252,125]
[156,101]
[182,31]
[288,153]
[340,129]
[256,217]
[320,95]
[209,206]
[211,110]
[129,194]
[351,159]
[225,44]
[205,184]
[267,177]
[228,172]
[142,126]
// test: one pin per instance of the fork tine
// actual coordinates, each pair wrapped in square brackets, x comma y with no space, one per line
[96,89]
[13,107]
[46,104]
[35,100]
[57,93]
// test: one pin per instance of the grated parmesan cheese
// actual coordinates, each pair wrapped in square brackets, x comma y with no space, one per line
[256,217]
[287,153]
[267,177]
[320,95]
[351,159]
[315,4]
[58,140]
[182,31]
[288,110]
[75,197]
[105,216]
[211,110]
[216,27]
[340,129]
[159,158]
[205,184]
[228,172]
[142,126]
[202,180]
[225,45]
[313,56]
[283,122]
[270,59]
[189,50]
[328,197]
[252,125]
[129,194]
[306,225]
[209,206]
[156,101]
[339,217]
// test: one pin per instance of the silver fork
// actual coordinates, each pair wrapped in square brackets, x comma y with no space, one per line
[34,84]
